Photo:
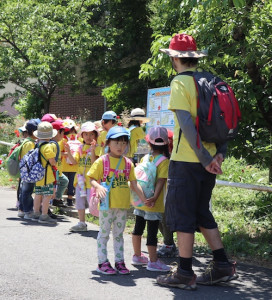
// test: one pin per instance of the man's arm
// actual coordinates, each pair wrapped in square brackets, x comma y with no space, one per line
[188,129]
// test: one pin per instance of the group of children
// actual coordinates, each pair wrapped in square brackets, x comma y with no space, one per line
[100,157]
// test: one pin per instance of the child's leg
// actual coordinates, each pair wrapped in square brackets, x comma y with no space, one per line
[105,221]
[37,203]
[118,227]
[45,204]
[63,183]
[137,234]
[80,205]
[152,231]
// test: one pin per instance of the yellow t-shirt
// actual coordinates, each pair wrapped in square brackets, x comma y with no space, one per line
[162,172]
[27,146]
[100,145]
[120,191]
[183,97]
[65,166]
[136,134]
[84,163]
[48,151]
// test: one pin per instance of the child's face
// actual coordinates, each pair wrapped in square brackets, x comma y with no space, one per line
[88,137]
[117,148]
[107,126]
[59,136]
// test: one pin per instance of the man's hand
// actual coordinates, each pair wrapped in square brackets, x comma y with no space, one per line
[214,167]
[219,158]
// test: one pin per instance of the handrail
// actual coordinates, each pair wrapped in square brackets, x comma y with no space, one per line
[262,188]
[6,143]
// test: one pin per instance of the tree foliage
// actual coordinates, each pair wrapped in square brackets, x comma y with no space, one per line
[237,35]
[41,42]
[115,65]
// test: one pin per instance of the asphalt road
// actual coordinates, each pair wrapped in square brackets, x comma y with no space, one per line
[45,262]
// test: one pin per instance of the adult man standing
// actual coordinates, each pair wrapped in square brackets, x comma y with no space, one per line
[192,173]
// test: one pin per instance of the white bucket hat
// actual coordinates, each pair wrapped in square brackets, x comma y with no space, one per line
[45,131]
[138,114]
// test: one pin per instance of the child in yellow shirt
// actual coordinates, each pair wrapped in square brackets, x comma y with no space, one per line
[44,188]
[151,212]
[84,158]
[109,119]
[137,118]
[119,199]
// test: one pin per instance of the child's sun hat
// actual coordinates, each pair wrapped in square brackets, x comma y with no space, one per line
[117,131]
[45,131]
[138,114]
[89,127]
[109,115]
[156,133]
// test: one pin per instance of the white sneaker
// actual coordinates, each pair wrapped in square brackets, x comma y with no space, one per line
[79,227]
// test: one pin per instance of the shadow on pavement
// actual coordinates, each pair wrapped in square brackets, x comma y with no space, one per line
[89,233]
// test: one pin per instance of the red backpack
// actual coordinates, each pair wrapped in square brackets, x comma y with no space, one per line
[218,112]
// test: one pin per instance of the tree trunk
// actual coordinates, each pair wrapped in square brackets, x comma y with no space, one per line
[46,106]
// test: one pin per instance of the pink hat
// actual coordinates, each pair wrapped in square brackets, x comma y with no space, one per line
[88,127]
[158,132]
[49,118]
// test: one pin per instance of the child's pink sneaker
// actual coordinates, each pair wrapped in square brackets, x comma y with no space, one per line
[106,268]
[139,260]
[157,266]
[121,268]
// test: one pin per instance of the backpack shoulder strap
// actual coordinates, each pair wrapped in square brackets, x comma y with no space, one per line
[80,149]
[127,167]
[159,159]
[106,166]
[58,149]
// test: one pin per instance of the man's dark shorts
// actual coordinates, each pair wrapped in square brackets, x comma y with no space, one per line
[189,192]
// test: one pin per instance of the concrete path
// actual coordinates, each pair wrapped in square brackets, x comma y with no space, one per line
[45,262]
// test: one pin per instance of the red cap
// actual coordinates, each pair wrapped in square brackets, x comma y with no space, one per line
[183,42]
[58,125]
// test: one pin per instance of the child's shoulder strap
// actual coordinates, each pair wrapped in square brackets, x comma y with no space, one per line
[106,166]
[127,167]
[58,149]
[80,149]
[159,159]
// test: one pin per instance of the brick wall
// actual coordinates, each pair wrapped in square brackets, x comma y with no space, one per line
[66,103]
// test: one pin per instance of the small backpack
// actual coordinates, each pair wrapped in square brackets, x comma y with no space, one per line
[146,173]
[31,168]
[218,112]
[93,200]
[13,159]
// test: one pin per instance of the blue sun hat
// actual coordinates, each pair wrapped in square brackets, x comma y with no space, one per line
[116,132]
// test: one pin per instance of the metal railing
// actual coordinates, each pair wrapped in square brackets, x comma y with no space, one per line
[261,188]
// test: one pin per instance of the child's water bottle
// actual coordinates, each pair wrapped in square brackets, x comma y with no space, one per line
[104,202]
[80,181]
